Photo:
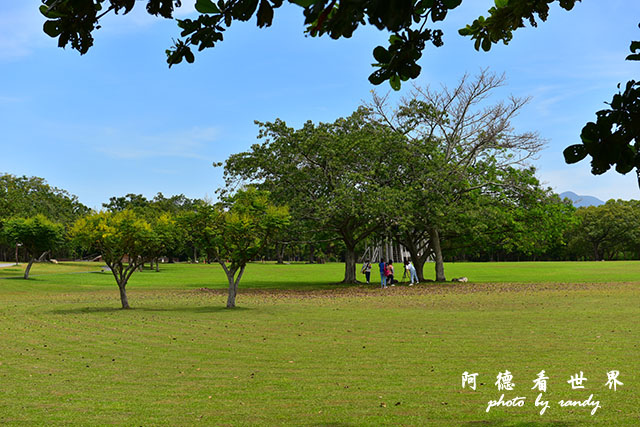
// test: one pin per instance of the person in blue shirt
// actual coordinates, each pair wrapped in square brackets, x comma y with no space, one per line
[383,277]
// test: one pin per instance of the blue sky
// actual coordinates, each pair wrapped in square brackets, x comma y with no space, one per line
[118,121]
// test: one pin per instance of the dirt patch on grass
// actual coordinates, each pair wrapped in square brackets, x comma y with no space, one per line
[423,289]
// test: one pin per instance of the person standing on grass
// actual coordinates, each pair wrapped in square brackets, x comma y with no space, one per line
[366,270]
[412,273]
[383,274]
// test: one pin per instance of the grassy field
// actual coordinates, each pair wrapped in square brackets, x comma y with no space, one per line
[301,350]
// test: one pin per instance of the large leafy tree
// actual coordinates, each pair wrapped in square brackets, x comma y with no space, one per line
[124,239]
[22,196]
[334,176]
[236,230]
[27,197]
[608,229]
[37,234]
[530,222]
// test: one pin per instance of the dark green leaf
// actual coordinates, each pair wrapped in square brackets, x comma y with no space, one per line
[381,55]
[395,83]
[206,6]
[52,28]
[451,4]
[486,44]
[265,14]
[244,9]
[377,77]
[574,153]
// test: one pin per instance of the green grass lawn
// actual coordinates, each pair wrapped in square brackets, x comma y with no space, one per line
[302,351]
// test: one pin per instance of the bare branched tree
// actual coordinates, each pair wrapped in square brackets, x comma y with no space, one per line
[462,141]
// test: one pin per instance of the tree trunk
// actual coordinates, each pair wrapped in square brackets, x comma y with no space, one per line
[417,260]
[122,277]
[43,256]
[17,260]
[350,265]
[157,265]
[419,270]
[596,254]
[233,289]
[312,254]
[123,296]
[434,238]
[233,284]
[279,253]
[26,272]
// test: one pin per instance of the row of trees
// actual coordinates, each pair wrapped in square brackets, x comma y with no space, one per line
[231,232]
[442,172]
[247,226]
[133,230]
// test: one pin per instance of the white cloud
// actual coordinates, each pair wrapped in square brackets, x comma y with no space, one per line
[11,99]
[122,144]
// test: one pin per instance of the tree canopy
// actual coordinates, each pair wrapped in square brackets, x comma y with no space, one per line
[334,176]
[22,196]
[234,231]
[411,23]
[124,239]
[462,156]
[36,234]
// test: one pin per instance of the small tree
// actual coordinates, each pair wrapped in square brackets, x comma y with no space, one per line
[36,234]
[236,230]
[116,235]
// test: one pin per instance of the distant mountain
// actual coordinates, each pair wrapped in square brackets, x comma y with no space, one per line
[581,201]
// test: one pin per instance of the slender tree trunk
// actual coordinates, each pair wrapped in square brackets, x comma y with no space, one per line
[157,264]
[596,255]
[434,238]
[233,283]
[122,277]
[350,265]
[26,271]
[312,254]
[17,260]
[123,296]
[279,253]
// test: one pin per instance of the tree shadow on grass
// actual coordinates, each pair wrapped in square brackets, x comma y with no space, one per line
[520,423]
[332,424]
[205,309]
[196,310]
